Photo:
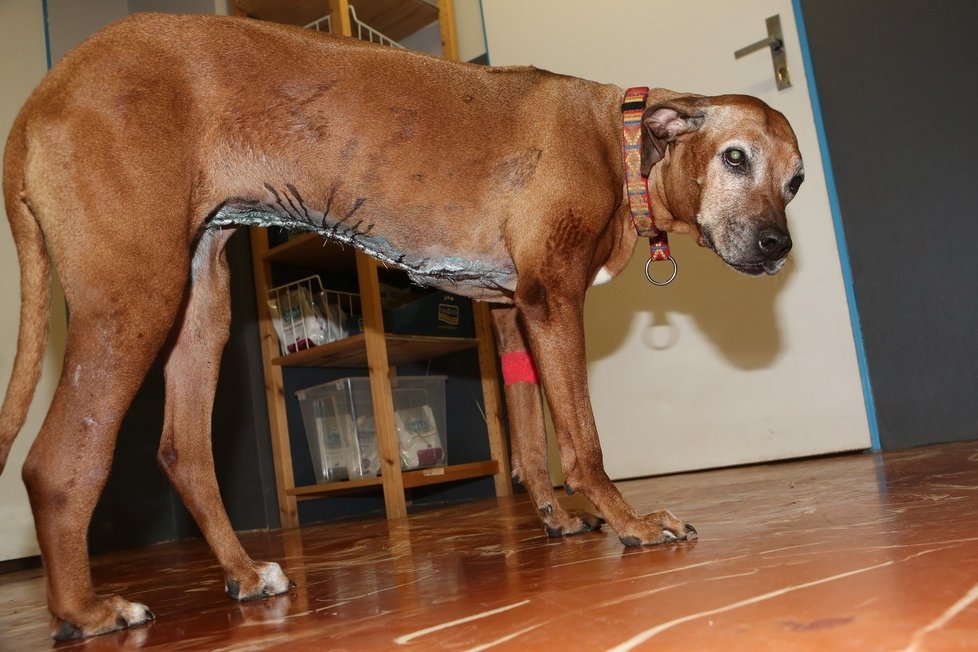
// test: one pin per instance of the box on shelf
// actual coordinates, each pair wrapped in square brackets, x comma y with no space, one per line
[339,421]
[438,313]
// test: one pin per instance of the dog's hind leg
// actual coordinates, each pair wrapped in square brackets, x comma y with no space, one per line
[524,403]
[191,373]
[120,314]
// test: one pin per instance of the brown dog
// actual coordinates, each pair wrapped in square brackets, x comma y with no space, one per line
[139,153]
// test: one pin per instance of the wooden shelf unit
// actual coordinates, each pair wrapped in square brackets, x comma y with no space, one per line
[379,352]
[411,479]
[352,352]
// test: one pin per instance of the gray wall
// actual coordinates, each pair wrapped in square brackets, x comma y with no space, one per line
[70,22]
[898,87]
[179,6]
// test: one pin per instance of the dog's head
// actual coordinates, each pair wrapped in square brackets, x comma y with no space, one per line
[725,168]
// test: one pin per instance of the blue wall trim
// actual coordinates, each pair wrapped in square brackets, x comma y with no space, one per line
[840,234]
[47,32]
[485,35]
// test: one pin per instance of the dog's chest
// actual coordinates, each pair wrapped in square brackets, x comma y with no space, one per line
[426,264]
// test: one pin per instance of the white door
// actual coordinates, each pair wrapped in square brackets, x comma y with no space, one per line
[716,369]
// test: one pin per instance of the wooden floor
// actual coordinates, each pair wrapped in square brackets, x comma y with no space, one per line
[860,552]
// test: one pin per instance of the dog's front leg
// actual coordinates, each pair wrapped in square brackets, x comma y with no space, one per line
[527,429]
[552,314]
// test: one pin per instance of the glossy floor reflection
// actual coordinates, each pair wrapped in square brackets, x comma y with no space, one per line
[859,552]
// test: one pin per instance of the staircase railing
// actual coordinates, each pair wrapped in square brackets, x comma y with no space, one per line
[323,24]
[359,30]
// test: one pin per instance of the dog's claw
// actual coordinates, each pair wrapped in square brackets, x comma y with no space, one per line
[575,522]
[630,541]
[66,632]
[569,489]
[691,532]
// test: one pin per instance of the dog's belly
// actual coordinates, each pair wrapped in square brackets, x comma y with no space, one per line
[486,280]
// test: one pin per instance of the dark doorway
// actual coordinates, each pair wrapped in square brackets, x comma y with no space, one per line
[898,87]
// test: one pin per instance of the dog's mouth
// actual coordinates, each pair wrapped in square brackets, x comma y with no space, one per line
[750,268]
[770,267]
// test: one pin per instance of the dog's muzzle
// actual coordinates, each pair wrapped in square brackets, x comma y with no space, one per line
[763,253]
[771,251]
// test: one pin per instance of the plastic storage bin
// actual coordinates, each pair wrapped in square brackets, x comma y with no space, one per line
[339,421]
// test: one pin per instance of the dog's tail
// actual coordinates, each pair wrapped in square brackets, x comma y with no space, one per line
[35,291]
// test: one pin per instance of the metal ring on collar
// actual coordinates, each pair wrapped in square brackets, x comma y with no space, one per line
[648,273]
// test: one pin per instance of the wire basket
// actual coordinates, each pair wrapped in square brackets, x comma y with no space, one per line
[306,315]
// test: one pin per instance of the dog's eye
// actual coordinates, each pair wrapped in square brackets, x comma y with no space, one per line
[734,157]
[795,184]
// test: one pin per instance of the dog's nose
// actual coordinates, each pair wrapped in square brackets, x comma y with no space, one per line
[774,243]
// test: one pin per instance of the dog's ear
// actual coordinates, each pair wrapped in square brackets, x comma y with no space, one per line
[664,122]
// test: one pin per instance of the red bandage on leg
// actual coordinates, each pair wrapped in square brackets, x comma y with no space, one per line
[518,367]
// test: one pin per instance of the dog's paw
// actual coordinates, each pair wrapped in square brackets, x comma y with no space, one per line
[106,615]
[266,580]
[655,528]
[568,523]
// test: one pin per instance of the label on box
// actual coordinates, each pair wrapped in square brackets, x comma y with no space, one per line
[418,437]
[448,314]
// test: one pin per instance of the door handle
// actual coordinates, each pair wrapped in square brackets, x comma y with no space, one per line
[774,42]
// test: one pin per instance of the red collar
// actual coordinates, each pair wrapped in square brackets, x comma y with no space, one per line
[637,186]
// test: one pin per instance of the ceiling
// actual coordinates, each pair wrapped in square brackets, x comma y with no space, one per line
[394,18]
